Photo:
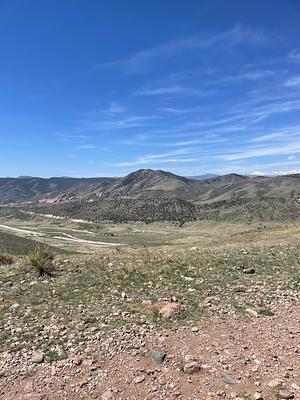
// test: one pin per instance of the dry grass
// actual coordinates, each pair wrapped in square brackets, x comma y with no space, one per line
[42,262]
[86,295]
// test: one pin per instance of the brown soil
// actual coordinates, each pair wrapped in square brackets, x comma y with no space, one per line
[254,353]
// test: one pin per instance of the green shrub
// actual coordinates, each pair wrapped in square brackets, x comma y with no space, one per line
[266,312]
[42,261]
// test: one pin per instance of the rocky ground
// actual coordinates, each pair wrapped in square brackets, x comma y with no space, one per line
[171,323]
[257,358]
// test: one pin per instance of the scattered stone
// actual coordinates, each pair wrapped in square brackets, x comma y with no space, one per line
[169,310]
[227,378]
[76,360]
[37,357]
[195,329]
[83,383]
[249,271]
[283,394]
[252,312]
[191,367]
[295,386]
[139,379]
[157,355]
[108,395]
[147,302]
[258,396]
[34,396]
[274,383]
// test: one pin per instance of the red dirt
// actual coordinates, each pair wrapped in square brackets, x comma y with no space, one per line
[254,353]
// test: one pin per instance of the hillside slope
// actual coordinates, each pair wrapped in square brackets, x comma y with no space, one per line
[24,189]
[147,183]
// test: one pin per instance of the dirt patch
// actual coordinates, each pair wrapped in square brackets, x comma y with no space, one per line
[245,359]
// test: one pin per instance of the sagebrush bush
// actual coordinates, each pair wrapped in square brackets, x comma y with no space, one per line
[42,262]
[6,259]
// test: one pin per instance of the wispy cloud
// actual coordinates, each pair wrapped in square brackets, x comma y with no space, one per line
[173,110]
[70,137]
[114,108]
[105,124]
[143,61]
[279,135]
[295,55]
[201,141]
[87,147]
[167,157]
[170,90]
[251,75]
[136,139]
[263,152]
[293,82]
[265,138]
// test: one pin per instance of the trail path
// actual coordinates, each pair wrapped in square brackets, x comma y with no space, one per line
[67,237]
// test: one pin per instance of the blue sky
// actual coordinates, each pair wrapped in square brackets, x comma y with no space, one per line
[102,88]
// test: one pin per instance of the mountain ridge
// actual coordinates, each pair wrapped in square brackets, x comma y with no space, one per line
[145,183]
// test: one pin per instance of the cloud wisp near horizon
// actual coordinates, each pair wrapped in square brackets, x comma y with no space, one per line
[217,97]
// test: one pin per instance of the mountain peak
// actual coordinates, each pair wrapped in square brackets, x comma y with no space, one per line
[148,171]
[229,178]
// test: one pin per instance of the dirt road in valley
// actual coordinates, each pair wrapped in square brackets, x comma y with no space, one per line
[19,230]
[26,232]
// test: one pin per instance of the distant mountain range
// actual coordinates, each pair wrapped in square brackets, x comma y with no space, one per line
[147,184]
[203,177]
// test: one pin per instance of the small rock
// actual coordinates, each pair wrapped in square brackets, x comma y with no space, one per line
[37,357]
[258,396]
[227,378]
[252,312]
[274,383]
[249,271]
[83,383]
[169,310]
[77,360]
[147,302]
[108,395]
[283,394]
[195,329]
[295,386]
[191,367]
[157,355]
[34,396]
[139,379]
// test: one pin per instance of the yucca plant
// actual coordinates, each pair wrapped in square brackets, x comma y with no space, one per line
[42,261]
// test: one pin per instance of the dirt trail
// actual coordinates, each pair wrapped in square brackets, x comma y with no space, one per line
[69,238]
[72,239]
[19,230]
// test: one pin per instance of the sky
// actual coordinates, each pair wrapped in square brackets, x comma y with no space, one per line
[103,88]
